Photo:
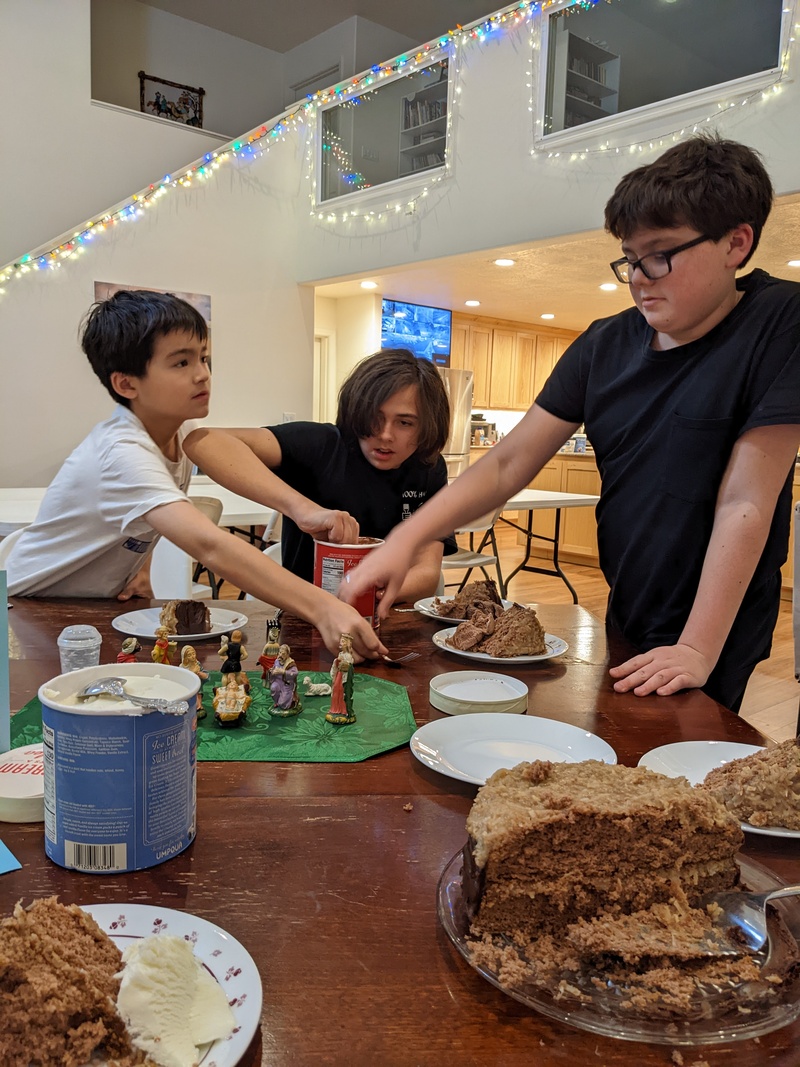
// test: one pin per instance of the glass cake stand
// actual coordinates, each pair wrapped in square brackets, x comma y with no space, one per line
[717,1020]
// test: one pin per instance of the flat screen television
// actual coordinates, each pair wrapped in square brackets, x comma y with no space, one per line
[424,330]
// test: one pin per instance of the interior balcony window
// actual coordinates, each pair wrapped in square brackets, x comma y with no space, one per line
[614,58]
[393,131]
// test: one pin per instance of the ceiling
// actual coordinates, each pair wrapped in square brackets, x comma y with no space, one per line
[559,278]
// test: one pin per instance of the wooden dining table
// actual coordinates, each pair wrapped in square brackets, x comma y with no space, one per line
[327,872]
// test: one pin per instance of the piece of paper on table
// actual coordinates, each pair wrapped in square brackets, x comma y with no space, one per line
[8,861]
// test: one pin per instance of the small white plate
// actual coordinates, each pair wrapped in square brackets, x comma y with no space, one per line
[694,759]
[473,747]
[425,607]
[222,955]
[556,646]
[145,621]
[462,692]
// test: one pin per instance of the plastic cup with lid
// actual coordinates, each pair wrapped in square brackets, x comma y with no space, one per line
[79,646]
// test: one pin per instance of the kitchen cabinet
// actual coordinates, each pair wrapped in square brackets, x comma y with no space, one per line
[510,361]
[578,535]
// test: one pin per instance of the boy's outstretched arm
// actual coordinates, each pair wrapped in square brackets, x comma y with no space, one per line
[494,479]
[757,470]
[243,564]
[241,460]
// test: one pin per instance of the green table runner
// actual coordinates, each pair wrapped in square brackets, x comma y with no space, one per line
[383,711]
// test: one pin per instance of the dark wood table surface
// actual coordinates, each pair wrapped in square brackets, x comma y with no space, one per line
[329,882]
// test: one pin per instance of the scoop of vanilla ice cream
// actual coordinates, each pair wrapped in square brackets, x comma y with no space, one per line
[169,1001]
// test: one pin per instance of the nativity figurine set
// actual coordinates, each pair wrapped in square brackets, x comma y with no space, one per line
[279,674]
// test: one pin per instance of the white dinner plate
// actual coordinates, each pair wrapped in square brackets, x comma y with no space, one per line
[145,621]
[425,607]
[222,955]
[556,646]
[473,747]
[694,759]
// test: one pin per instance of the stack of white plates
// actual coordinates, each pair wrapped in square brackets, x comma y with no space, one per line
[22,785]
[461,692]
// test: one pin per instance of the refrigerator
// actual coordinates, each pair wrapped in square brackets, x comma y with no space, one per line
[458,386]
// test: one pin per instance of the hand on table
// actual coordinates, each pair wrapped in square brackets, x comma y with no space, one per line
[663,670]
[138,586]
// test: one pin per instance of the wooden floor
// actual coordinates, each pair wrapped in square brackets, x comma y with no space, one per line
[772,697]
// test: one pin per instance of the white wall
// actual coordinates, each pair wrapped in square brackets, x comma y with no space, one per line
[499,193]
[355,45]
[243,82]
[247,236]
[65,159]
[233,240]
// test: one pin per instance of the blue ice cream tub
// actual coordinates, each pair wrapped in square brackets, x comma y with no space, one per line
[120,781]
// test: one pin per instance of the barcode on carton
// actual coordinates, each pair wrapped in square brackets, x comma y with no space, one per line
[84,857]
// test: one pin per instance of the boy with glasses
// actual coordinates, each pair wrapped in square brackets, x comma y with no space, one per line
[691,400]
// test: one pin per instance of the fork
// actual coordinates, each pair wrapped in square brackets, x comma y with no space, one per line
[400,661]
[743,917]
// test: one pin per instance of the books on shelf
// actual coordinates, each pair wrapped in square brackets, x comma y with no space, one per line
[431,159]
[418,112]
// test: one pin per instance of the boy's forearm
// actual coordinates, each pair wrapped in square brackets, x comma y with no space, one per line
[232,463]
[733,552]
[493,480]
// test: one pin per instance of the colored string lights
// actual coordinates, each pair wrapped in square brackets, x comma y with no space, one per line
[302,120]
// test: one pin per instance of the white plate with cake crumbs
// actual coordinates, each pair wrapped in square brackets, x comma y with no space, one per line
[694,759]
[555,646]
[473,747]
[144,622]
[226,960]
[426,607]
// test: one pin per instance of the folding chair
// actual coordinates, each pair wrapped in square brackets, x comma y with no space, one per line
[473,557]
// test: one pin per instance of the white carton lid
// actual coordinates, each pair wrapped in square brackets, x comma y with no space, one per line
[461,692]
[22,784]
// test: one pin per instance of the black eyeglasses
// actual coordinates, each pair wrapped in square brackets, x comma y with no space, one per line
[654,265]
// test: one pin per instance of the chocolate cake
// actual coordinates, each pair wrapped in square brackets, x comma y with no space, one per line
[552,843]
[762,789]
[185,617]
[475,596]
[58,989]
[516,632]
[585,880]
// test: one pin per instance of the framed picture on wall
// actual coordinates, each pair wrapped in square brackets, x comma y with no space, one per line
[171,100]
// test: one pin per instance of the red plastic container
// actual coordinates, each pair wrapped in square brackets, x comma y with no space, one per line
[331,564]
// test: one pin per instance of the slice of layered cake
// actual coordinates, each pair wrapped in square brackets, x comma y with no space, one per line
[762,789]
[58,990]
[585,881]
[185,617]
[551,843]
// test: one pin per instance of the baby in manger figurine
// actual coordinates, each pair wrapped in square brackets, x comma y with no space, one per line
[341,711]
[283,684]
[231,703]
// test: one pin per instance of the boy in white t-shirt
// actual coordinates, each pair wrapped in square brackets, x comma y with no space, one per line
[125,485]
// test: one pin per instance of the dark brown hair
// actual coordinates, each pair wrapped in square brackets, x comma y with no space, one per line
[703,182]
[370,384]
[119,333]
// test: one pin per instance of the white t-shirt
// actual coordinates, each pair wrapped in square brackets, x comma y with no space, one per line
[90,538]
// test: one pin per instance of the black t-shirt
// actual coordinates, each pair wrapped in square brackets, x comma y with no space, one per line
[663,425]
[317,462]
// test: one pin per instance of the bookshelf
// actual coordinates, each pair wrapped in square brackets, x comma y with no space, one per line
[423,127]
[584,83]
